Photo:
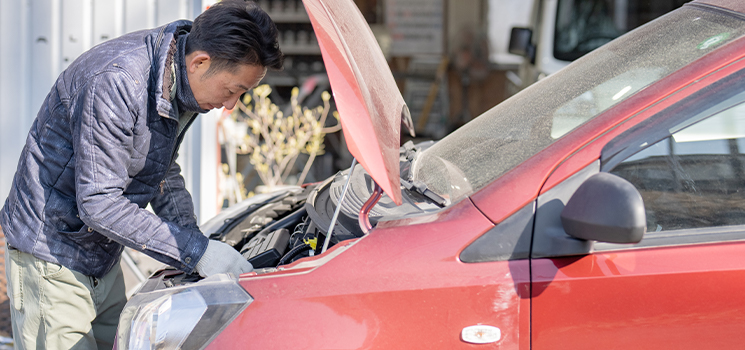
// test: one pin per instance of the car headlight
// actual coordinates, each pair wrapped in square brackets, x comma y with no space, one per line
[187,317]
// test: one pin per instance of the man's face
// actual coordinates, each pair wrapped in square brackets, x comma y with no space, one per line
[221,88]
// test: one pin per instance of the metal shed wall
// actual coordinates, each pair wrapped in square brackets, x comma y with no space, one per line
[40,38]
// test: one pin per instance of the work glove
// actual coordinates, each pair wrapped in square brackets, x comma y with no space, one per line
[221,258]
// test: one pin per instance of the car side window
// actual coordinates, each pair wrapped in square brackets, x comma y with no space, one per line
[694,178]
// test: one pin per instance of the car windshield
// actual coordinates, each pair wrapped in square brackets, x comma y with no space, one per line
[506,135]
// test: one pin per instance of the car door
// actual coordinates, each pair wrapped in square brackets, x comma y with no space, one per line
[682,286]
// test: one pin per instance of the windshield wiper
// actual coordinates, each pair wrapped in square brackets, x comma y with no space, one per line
[409,152]
[421,188]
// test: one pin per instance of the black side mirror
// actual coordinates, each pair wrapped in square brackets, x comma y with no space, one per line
[520,43]
[605,208]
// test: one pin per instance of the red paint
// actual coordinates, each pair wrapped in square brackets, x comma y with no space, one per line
[679,297]
[400,287]
[665,298]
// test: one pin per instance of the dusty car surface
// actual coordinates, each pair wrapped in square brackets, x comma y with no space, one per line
[603,207]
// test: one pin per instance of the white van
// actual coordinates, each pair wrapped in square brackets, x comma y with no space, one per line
[564,30]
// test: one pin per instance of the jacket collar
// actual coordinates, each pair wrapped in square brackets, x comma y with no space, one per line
[160,47]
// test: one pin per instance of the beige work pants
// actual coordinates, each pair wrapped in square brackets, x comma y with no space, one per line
[53,307]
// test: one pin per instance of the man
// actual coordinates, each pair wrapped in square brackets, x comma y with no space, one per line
[102,147]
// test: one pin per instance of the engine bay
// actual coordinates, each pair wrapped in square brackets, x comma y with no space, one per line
[294,223]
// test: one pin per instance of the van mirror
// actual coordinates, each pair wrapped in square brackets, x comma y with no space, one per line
[605,208]
[520,43]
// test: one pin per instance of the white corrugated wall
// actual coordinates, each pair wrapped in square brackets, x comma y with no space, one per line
[39,38]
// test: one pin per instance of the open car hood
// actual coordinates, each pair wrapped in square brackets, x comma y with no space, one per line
[370,105]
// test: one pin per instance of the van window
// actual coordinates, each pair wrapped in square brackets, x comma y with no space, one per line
[584,25]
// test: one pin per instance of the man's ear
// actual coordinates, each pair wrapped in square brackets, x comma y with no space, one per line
[198,61]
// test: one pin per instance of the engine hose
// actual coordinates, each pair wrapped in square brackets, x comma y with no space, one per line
[293,253]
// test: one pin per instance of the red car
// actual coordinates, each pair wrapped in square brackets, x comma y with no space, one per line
[601,208]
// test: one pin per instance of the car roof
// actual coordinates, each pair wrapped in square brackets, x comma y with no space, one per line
[732,5]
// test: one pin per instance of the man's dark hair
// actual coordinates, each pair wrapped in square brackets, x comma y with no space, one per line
[235,32]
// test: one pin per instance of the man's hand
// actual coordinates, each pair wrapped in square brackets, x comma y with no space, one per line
[221,258]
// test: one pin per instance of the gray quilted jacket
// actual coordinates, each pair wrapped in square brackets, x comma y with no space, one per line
[102,147]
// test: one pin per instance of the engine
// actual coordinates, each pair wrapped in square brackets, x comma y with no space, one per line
[279,228]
